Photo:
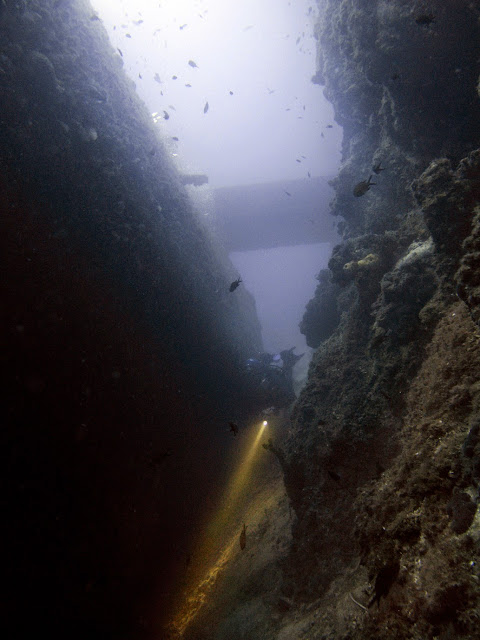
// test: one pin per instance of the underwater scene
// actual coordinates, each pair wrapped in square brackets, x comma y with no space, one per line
[240,304]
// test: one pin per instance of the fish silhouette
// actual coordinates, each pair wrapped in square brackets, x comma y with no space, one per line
[243,537]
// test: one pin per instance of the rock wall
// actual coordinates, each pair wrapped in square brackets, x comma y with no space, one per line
[386,512]
[121,343]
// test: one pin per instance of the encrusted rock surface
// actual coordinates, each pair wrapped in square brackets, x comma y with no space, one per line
[467,276]
[448,199]
[405,239]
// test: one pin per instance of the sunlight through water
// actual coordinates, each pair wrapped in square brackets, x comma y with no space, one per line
[251,62]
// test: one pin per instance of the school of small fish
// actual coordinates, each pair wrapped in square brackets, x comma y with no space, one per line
[421,19]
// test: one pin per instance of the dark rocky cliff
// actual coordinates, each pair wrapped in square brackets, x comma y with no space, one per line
[381,458]
[393,392]
[121,344]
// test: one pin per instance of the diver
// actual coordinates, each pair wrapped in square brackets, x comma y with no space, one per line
[289,360]
[233,428]
[265,358]
[277,387]
[272,381]
[255,367]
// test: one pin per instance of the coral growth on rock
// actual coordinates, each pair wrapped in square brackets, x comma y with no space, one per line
[405,349]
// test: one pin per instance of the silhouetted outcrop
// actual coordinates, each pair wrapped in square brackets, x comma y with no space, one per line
[120,341]
[322,314]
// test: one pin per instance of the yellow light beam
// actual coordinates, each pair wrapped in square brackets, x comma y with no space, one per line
[216,531]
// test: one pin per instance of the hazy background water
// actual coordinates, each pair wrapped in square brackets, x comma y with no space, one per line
[262,51]
[266,121]
[282,281]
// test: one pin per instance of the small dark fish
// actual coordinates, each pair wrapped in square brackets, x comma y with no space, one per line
[127,35]
[361,188]
[235,284]
[137,22]
[174,77]
[205,108]
[383,582]
[270,90]
[395,76]
[182,26]
[379,468]
[193,64]
[425,19]
[377,168]
[243,537]
[94,17]
[175,138]
[329,126]
[158,459]
[309,174]
[334,476]
[288,193]
[297,40]
[231,93]
[165,115]
[140,76]
[188,85]
[120,52]
[297,160]
[233,428]
[322,135]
